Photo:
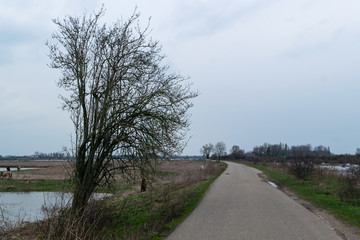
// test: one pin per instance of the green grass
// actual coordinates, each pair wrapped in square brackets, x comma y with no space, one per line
[16,185]
[319,190]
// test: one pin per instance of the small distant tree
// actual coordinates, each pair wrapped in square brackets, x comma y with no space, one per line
[206,150]
[357,152]
[128,111]
[236,152]
[322,150]
[219,150]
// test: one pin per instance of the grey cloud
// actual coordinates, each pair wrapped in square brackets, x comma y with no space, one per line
[14,34]
[339,40]
[206,19]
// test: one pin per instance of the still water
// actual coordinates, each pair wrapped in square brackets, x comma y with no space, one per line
[26,206]
[14,169]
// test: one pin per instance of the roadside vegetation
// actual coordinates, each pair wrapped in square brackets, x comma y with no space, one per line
[327,188]
[128,214]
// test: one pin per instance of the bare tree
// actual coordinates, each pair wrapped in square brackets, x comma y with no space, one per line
[219,150]
[128,111]
[357,151]
[322,150]
[206,150]
[236,152]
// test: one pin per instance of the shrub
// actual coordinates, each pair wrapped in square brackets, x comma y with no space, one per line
[349,190]
[302,167]
[90,224]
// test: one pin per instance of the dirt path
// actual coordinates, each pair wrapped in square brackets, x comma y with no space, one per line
[239,205]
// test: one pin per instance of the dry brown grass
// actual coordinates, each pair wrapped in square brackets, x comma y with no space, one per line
[47,170]
[59,170]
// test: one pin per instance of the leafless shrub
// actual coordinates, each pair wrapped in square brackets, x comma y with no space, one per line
[349,191]
[2,220]
[302,167]
[90,224]
[10,223]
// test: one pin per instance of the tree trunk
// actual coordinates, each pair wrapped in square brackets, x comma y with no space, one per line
[143,185]
[84,184]
[82,194]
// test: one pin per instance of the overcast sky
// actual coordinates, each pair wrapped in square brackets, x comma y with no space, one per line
[267,71]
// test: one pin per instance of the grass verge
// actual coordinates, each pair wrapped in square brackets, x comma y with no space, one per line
[156,214]
[320,190]
[196,193]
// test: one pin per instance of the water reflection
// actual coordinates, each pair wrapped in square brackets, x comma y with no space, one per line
[26,206]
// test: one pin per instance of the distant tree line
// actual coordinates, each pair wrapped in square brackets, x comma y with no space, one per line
[218,151]
[283,150]
[54,155]
[39,156]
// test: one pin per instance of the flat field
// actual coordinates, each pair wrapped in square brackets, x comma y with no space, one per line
[60,170]
[50,175]
[46,170]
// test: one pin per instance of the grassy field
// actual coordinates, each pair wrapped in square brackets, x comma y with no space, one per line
[321,189]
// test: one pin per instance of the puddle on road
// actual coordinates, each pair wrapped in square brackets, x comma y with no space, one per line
[272,184]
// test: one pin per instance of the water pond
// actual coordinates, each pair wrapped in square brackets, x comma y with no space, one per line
[341,169]
[27,206]
[2,169]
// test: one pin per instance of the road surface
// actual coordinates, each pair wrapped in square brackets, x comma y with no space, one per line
[240,205]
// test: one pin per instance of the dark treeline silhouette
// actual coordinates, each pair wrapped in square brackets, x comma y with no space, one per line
[331,159]
[283,150]
[267,150]
[38,156]
[270,152]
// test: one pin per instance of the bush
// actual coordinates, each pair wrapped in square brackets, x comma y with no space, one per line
[90,224]
[350,189]
[302,167]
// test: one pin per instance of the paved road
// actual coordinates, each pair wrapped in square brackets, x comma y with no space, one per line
[239,205]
